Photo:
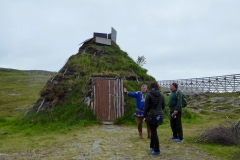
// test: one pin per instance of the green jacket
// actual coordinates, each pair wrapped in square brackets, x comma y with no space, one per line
[175,101]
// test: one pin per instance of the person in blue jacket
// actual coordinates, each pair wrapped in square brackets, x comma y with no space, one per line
[140,102]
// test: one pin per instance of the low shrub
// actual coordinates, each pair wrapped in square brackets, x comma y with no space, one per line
[225,134]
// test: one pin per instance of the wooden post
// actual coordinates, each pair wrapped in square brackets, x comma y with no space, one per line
[64,72]
[40,105]
[119,102]
[115,101]
[94,97]
[225,83]
[122,97]
[209,85]
[234,78]
[109,100]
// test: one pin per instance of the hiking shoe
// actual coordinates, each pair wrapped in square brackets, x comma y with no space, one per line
[172,139]
[151,150]
[178,140]
[155,153]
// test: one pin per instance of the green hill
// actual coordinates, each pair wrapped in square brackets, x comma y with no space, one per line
[19,89]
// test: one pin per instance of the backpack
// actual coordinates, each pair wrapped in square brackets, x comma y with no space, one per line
[184,100]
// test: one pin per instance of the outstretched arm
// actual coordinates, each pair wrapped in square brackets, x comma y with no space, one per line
[131,94]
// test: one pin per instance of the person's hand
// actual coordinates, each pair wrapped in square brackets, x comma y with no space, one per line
[124,90]
[175,112]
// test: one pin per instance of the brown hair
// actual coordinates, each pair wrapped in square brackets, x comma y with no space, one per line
[175,85]
[154,85]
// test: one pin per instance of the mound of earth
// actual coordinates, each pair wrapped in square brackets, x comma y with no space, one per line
[72,83]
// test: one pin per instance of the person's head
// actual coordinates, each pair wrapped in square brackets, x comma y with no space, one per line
[154,85]
[144,88]
[173,86]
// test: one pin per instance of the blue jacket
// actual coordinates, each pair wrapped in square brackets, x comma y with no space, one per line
[140,102]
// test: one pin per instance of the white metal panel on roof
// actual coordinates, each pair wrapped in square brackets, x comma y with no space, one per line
[103,41]
[114,35]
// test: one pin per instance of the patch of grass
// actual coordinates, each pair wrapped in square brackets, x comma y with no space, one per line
[191,117]
[2,120]
[237,111]
[226,152]
[67,114]
[226,107]
[205,112]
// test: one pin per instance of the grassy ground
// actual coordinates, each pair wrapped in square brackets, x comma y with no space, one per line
[60,140]
[106,142]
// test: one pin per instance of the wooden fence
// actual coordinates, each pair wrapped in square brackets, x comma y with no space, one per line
[217,84]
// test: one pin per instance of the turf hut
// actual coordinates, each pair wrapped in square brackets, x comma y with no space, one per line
[93,79]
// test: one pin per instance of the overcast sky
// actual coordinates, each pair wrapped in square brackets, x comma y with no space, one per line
[180,39]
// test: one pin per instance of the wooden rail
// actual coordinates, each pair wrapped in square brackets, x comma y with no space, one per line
[217,84]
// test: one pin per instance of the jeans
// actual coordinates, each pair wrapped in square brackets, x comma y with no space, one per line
[154,138]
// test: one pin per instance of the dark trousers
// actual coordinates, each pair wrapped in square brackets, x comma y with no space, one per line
[154,138]
[176,125]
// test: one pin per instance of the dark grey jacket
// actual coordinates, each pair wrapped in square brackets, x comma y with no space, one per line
[154,103]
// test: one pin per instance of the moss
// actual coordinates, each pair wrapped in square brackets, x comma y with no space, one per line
[205,112]
[237,111]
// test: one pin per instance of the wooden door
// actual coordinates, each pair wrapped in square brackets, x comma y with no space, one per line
[108,98]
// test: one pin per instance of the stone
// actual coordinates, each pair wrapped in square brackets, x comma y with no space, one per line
[217,99]
[87,101]
[13,94]
[110,127]
[4,156]
[96,144]
[19,109]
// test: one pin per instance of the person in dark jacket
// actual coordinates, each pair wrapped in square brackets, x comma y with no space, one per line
[175,105]
[154,106]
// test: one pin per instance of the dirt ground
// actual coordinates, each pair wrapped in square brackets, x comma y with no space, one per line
[104,142]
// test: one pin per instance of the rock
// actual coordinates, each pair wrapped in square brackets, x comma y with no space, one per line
[13,94]
[214,109]
[19,109]
[217,99]
[96,144]
[87,101]
[231,100]
[4,156]
[110,127]
[81,157]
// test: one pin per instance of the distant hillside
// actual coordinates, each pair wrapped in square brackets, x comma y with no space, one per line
[27,71]
[19,89]
[207,103]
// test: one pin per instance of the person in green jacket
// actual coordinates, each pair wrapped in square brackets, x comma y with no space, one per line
[175,105]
